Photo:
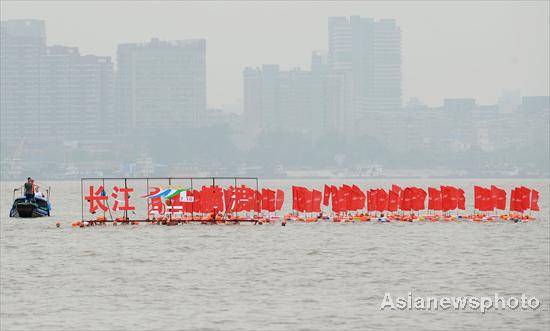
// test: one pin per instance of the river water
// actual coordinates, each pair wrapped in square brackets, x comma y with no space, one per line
[321,276]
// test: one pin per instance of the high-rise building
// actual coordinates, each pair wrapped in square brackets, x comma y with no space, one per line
[76,95]
[371,52]
[263,102]
[297,100]
[252,96]
[271,101]
[331,95]
[161,84]
[340,43]
[53,92]
[92,97]
[22,45]
[361,72]
[275,99]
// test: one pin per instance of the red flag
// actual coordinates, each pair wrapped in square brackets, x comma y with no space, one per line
[454,196]
[445,198]
[362,199]
[421,200]
[302,203]
[280,199]
[396,189]
[518,200]
[381,200]
[413,198]
[326,195]
[449,198]
[371,200]
[418,198]
[347,197]
[358,198]
[498,197]
[256,203]
[488,200]
[354,199]
[461,199]
[478,197]
[307,205]
[434,199]
[268,200]
[342,200]
[525,198]
[298,195]
[515,200]
[316,201]
[294,197]
[393,200]
[334,199]
[535,200]
[271,200]
[264,199]
[483,199]
[303,198]
[405,202]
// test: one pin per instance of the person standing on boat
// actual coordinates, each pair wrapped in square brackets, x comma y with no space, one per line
[29,189]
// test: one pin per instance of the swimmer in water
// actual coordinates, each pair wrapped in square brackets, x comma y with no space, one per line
[382,218]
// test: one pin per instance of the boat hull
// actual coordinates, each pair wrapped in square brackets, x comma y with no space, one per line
[30,209]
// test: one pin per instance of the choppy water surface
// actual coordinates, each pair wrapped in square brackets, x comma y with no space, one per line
[303,276]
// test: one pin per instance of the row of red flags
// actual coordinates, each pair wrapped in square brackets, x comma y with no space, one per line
[232,199]
[445,198]
[306,200]
[521,199]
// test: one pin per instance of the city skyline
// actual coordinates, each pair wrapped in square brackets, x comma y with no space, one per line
[513,58]
[343,113]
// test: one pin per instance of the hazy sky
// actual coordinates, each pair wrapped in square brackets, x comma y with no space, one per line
[450,49]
